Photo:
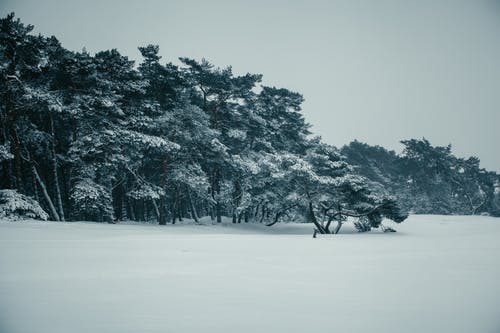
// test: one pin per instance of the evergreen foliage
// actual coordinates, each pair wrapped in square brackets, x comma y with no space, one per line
[94,137]
[429,179]
[14,205]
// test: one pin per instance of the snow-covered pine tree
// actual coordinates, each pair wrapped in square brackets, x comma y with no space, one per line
[92,136]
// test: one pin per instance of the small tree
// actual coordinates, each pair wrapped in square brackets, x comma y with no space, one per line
[16,205]
[91,201]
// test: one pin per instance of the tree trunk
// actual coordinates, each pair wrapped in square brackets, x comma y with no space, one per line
[17,159]
[237,195]
[194,213]
[157,211]
[45,194]
[123,205]
[35,189]
[256,211]
[263,213]
[131,206]
[162,220]
[10,174]
[179,206]
[179,213]
[327,226]
[143,211]
[276,219]
[212,193]
[218,212]
[212,213]
[216,185]
[174,207]
[337,228]
[54,171]
[312,218]
[10,110]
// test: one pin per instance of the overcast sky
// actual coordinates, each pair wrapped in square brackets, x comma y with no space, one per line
[376,71]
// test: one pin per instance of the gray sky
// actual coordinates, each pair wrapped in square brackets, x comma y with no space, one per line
[376,71]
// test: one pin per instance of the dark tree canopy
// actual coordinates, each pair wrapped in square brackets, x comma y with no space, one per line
[95,137]
[429,179]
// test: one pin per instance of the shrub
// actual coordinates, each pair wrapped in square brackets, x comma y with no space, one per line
[18,206]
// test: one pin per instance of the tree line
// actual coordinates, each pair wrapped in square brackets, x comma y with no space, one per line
[428,179]
[98,137]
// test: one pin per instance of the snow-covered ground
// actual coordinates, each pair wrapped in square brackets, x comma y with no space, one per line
[436,274]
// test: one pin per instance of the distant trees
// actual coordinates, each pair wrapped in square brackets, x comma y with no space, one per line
[429,179]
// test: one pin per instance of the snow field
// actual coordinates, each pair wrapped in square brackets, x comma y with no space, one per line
[436,274]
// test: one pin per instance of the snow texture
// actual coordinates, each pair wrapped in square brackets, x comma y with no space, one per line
[5,153]
[436,274]
[14,205]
